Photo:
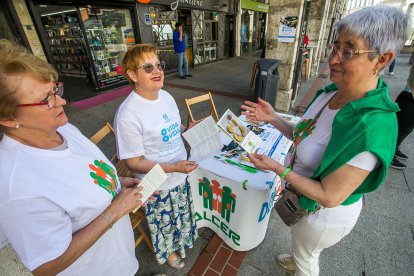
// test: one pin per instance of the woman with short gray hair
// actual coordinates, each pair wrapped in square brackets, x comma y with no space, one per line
[345,141]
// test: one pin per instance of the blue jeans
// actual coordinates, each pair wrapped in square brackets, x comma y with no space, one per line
[182,58]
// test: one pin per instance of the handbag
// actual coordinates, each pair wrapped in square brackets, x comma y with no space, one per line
[288,205]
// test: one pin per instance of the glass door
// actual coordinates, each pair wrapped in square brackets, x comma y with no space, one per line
[109,34]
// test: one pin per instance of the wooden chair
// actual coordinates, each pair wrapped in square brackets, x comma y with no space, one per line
[253,77]
[122,170]
[199,99]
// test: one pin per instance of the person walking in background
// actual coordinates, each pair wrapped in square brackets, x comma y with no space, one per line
[63,208]
[345,141]
[179,48]
[405,118]
[148,131]
[391,67]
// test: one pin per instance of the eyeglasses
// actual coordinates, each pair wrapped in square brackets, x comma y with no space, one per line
[50,101]
[149,67]
[346,53]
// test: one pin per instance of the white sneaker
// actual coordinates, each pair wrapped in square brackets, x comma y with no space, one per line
[286,261]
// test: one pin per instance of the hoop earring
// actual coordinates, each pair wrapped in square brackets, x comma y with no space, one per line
[375,72]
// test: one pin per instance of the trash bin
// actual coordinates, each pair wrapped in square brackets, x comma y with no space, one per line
[267,80]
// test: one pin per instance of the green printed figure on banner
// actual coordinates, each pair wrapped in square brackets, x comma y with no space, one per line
[204,190]
[229,203]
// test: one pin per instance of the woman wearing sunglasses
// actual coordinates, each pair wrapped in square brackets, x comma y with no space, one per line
[345,141]
[148,131]
[62,206]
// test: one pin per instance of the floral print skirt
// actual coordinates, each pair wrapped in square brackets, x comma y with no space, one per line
[172,222]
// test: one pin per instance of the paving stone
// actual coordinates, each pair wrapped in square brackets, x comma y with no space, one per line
[276,241]
[213,245]
[211,272]
[221,258]
[249,270]
[392,203]
[339,260]
[387,240]
[237,258]
[229,271]
[201,264]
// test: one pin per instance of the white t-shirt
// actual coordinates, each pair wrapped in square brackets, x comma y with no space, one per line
[46,196]
[309,155]
[151,128]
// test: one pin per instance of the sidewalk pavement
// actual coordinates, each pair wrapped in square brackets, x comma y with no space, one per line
[382,242]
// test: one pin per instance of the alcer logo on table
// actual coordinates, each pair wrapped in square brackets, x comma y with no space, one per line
[220,200]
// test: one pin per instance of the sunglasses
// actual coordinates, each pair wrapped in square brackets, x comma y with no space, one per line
[50,100]
[149,67]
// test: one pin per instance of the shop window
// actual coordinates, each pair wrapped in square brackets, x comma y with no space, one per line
[110,34]
[163,34]
[163,22]
[205,36]
[65,38]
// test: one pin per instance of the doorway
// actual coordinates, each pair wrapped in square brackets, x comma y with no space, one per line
[229,36]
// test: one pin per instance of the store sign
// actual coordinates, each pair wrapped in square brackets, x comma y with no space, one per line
[254,6]
[217,5]
[147,19]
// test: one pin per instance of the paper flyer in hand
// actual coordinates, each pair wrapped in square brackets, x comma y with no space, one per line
[151,181]
[204,139]
[238,131]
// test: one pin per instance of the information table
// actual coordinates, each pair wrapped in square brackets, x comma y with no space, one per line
[233,202]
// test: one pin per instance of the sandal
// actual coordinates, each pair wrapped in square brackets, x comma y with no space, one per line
[176,263]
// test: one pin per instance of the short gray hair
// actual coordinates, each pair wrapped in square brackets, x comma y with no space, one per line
[384,28]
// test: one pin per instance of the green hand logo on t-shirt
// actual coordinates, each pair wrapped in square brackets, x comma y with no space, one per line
[104,176]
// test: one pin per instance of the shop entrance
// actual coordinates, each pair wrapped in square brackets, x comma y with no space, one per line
[67,50]
[86,45]
[229,37]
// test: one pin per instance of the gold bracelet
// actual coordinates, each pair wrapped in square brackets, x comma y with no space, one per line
[107,218]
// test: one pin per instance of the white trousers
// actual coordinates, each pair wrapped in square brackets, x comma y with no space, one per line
[308,241]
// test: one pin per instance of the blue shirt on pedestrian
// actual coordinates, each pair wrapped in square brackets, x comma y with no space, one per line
[179,46]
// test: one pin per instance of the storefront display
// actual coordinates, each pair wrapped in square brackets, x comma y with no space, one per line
[206,37]
[203,26]
[65,37]
[109,34]
[86,44]
[253,25]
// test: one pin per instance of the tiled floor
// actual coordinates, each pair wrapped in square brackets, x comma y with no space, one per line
[217,259]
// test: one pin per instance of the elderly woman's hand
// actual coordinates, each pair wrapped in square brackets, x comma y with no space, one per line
[125,202]
[261,111]
[184,166]
[262,162]
[129,182]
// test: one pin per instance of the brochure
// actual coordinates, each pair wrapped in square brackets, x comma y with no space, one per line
[151,181]
[237,130]
[204,139]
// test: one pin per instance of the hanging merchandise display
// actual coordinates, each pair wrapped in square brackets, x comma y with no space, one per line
[64,35]
[109,33]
